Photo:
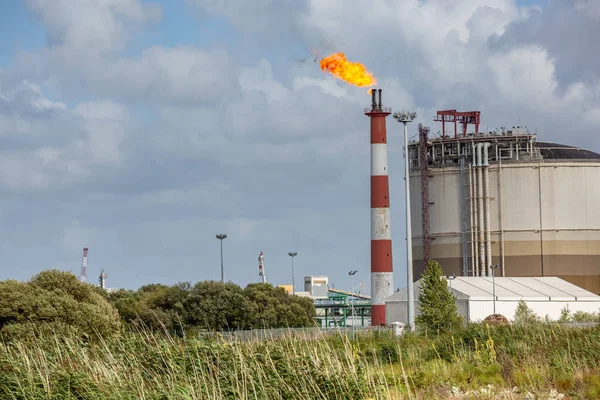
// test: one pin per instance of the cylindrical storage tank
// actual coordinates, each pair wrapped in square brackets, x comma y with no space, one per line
[545,209]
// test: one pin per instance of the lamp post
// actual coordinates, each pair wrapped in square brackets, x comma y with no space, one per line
[493,267]
[352,273]
[405,117]
[293,254]
[222,236]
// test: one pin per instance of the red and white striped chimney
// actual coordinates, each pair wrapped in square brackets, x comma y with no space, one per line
[381,234]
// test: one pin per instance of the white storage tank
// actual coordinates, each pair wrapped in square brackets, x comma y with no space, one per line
[530,207]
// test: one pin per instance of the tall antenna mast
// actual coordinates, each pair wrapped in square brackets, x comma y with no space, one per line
[261,267]
[84,265]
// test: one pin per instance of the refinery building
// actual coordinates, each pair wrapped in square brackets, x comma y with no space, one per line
[504,199]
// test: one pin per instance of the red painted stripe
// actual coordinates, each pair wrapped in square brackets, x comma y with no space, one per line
[378,315]
[380,191]
[381,256]
[378,128]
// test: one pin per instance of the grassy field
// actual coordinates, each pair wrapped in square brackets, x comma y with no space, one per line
[503,362]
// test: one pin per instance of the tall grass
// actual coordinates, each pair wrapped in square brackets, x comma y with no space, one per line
[146,365]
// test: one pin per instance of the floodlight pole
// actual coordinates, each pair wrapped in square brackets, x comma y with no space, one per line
[222,236]
[293,254]
[405,117]
[352,273]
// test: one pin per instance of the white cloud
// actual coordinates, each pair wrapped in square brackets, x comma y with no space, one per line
[162,147]
[92,26]
[261,78]
[180,74]
[524,76]
[88,40]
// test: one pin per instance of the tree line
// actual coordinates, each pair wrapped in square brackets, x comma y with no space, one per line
[56,301]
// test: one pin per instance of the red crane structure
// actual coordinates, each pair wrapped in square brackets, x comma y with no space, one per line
[463,117]
[423,166]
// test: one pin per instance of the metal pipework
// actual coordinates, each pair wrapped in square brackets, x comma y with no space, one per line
[480,208]
[380,104]
[486,197]
[476,227]
[472,216]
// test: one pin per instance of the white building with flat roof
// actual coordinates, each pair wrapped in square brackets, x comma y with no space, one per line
[546,296]
[317,286]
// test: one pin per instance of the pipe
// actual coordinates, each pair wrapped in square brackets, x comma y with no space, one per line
[501,216]
[481,211]
[486,197]
[373,99]
[471,214]
[475,215]
[379,99]
[541,216]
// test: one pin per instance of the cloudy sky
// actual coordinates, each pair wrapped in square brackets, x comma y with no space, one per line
[142,128]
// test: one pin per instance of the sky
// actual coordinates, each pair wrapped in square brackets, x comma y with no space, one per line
[141,129]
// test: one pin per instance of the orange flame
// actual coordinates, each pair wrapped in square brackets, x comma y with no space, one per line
[352,72]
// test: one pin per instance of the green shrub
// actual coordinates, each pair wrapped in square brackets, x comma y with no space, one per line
[55,301]
[437,305]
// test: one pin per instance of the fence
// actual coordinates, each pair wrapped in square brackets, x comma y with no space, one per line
[300,333]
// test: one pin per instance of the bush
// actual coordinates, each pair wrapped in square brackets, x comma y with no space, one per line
[212,305]
[55,301]
[525,315]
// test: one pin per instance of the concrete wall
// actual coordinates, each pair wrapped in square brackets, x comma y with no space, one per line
[551,214]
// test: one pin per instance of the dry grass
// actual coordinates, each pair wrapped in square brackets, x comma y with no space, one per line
[477,362]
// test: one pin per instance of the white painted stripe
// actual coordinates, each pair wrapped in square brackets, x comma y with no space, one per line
[381,227]
[382,286]
[379,159]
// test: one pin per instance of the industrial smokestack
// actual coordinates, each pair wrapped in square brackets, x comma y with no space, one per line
[381,235]
[373,99]
[82,277]
[102,280]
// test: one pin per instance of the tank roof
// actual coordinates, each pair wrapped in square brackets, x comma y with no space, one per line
[557,151]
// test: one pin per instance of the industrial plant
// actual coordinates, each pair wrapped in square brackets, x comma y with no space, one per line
[503,200]
[495,204]
[83,274]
